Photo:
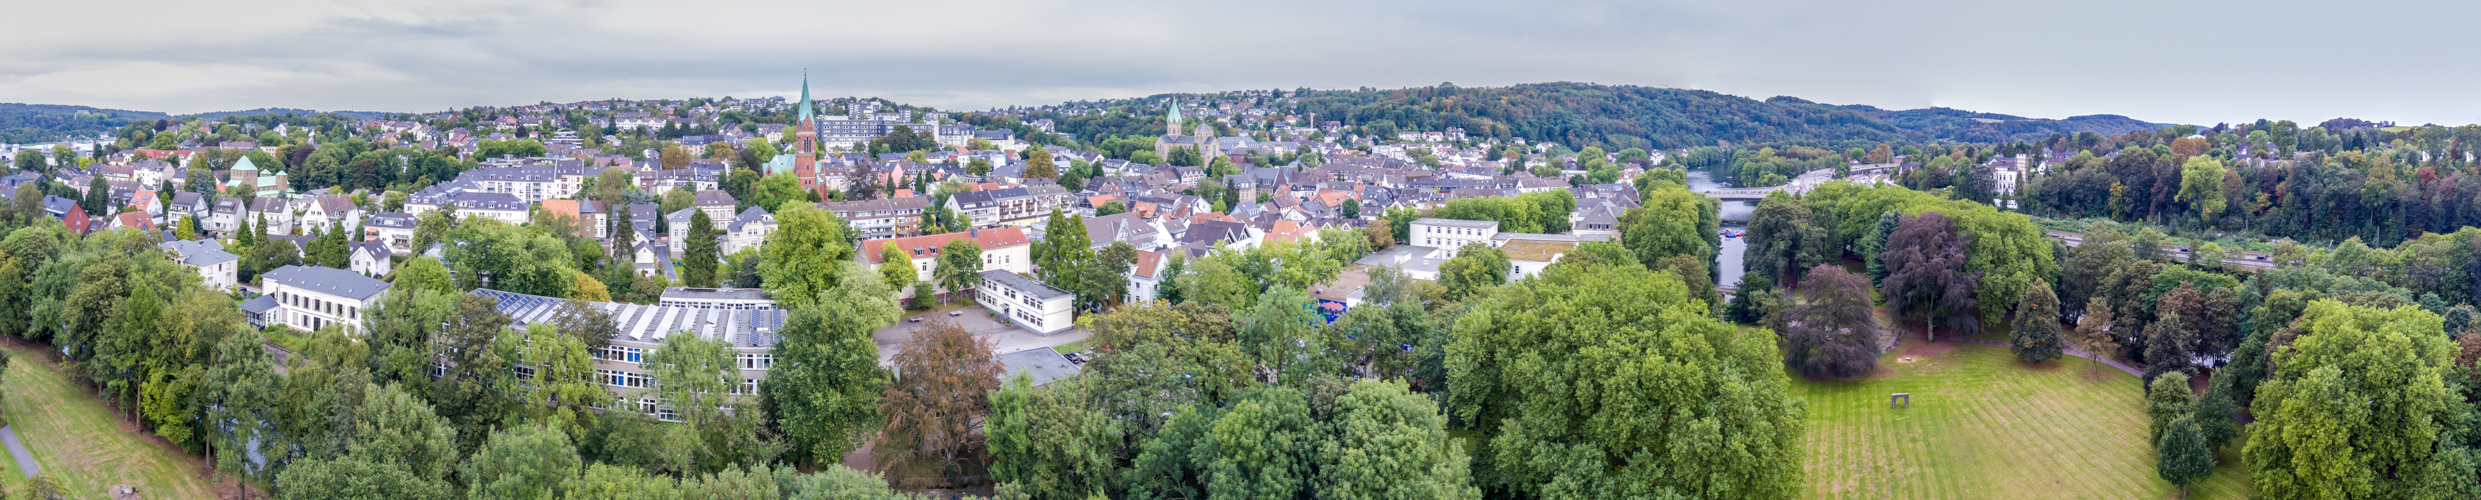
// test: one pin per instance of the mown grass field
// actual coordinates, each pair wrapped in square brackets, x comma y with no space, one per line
[1983,425]
[81,445]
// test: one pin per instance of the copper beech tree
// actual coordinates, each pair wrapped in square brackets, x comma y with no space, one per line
[944,379]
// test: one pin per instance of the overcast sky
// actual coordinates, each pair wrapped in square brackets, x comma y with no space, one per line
[2160,60]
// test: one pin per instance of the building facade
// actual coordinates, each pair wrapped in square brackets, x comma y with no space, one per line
[1026,302]
[309,297]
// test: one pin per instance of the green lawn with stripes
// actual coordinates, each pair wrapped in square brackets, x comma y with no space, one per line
[1983,425]
[82,445]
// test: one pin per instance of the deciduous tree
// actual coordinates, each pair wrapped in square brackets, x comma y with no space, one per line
[937,402]
[1926,277]
[1832,334]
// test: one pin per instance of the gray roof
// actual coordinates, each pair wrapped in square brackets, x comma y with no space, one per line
[1042,365]
[329,280]
[1024,285]
[1479,224]
[647,324]
[198,252]
[260,305]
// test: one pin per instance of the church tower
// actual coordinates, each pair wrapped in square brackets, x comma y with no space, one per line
[1172,122]
[805,137]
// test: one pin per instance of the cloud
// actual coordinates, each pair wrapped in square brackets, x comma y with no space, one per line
[2164,61]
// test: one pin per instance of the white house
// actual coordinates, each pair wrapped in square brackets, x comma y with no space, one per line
[217,269]
[1448,235]
[748,230]
[1028,303]
[370,258]
[311,297]
[1145,277]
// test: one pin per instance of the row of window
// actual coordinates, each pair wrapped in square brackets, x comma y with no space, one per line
[330,308]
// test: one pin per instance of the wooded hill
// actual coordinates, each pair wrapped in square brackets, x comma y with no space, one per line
[1622,116]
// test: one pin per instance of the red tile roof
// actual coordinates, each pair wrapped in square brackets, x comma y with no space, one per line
[922,246]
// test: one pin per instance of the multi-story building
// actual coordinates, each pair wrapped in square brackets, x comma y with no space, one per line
[881,218]
[1010,206]
[744,318]
[1003,249]
[1026,302]
[308,298]
[1448,235]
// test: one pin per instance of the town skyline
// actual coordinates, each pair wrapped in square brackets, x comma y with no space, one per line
[2163,66]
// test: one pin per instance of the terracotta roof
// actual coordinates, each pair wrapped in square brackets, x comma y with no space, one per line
[925,246]
[1147,264]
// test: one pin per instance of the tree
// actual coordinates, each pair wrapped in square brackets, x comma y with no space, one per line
[1392,443]
[697,381]
[1832,334]
[2036,337]
[2201,185]
[775,190]
[2166,346]
[98,198]
[356,477]
[826,380]
[898,270]
[1873,247]
[1051,441]
[675,157]
[2167,399]
[1783,239]
[527,461]
[1038,165]
[1524,385]
[2182,456]
[1672,221]
[1351,208]
[698,265]
[2356,409]
[1926,280]
[2093,333]
[802,260]
[935,407]
[1475,269]
[960,265]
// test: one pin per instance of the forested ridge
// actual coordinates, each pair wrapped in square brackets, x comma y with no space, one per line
[1623,116]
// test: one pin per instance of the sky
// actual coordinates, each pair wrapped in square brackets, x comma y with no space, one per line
[2180,61]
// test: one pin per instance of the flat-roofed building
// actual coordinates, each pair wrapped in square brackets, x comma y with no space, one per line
[744,318]
[1026,302]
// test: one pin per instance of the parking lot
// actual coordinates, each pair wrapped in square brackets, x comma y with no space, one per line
[1005,337]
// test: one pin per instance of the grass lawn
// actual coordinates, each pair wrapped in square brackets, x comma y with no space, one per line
[1983,425]
[82,445]
[1069,347]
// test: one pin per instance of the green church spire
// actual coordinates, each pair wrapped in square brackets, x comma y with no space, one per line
[806,113]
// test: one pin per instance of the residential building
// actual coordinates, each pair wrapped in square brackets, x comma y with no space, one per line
[1448,235]
[1026,302]
[310,297]
[881,218]
[371,258]
[748,230]
[217,269]
[1003,249]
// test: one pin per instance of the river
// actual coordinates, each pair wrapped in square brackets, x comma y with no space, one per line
[1735,218]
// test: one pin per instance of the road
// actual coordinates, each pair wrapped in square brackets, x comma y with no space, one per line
[2253,261]
[25,461]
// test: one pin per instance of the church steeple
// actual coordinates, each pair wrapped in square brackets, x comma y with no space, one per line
[1171,123]
[806,113]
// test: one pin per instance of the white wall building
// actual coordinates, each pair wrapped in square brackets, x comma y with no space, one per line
[217,269]
[1027,303]
[1448,235]
[309,297]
